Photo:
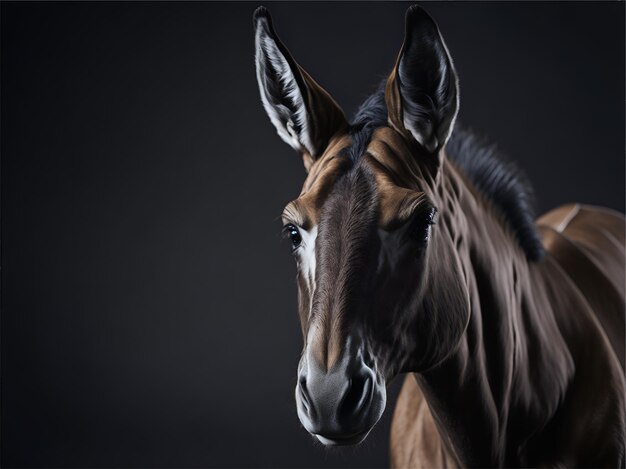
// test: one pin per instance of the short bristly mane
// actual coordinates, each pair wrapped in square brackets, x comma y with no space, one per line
[371,114]
[500,181]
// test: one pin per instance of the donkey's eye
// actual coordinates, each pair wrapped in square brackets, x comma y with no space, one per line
[294,235]
[420,227]
[431,216]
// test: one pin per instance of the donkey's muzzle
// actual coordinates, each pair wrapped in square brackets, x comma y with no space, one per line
[340,406]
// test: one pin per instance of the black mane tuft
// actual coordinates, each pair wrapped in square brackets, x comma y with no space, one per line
[373,111]
[501,182]
[371,114]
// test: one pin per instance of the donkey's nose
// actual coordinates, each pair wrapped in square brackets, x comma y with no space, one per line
[335,404]
[339,406]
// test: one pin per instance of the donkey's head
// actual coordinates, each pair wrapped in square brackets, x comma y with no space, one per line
[361,228]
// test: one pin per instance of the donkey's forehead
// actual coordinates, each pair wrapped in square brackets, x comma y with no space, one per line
[383,160]
[305,210]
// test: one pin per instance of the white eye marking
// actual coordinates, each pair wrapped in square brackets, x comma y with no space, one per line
[305,257]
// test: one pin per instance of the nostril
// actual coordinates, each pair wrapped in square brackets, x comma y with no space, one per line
[365,394]
[304,394]
[357,396]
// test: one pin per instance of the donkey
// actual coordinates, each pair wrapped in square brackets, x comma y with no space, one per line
[417,253]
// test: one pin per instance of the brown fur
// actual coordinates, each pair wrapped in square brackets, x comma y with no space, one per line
[580,285]
[509,362]
[576,288]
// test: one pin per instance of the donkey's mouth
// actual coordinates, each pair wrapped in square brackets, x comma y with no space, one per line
[343,440]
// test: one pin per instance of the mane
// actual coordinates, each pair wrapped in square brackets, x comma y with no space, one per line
[371,114]
[500,181]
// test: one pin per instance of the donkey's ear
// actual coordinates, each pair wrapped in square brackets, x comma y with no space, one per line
[304,114]
[422,91]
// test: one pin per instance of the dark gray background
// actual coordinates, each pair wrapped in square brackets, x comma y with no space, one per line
[149,307]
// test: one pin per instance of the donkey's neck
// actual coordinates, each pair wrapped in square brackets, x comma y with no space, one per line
[507,376]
